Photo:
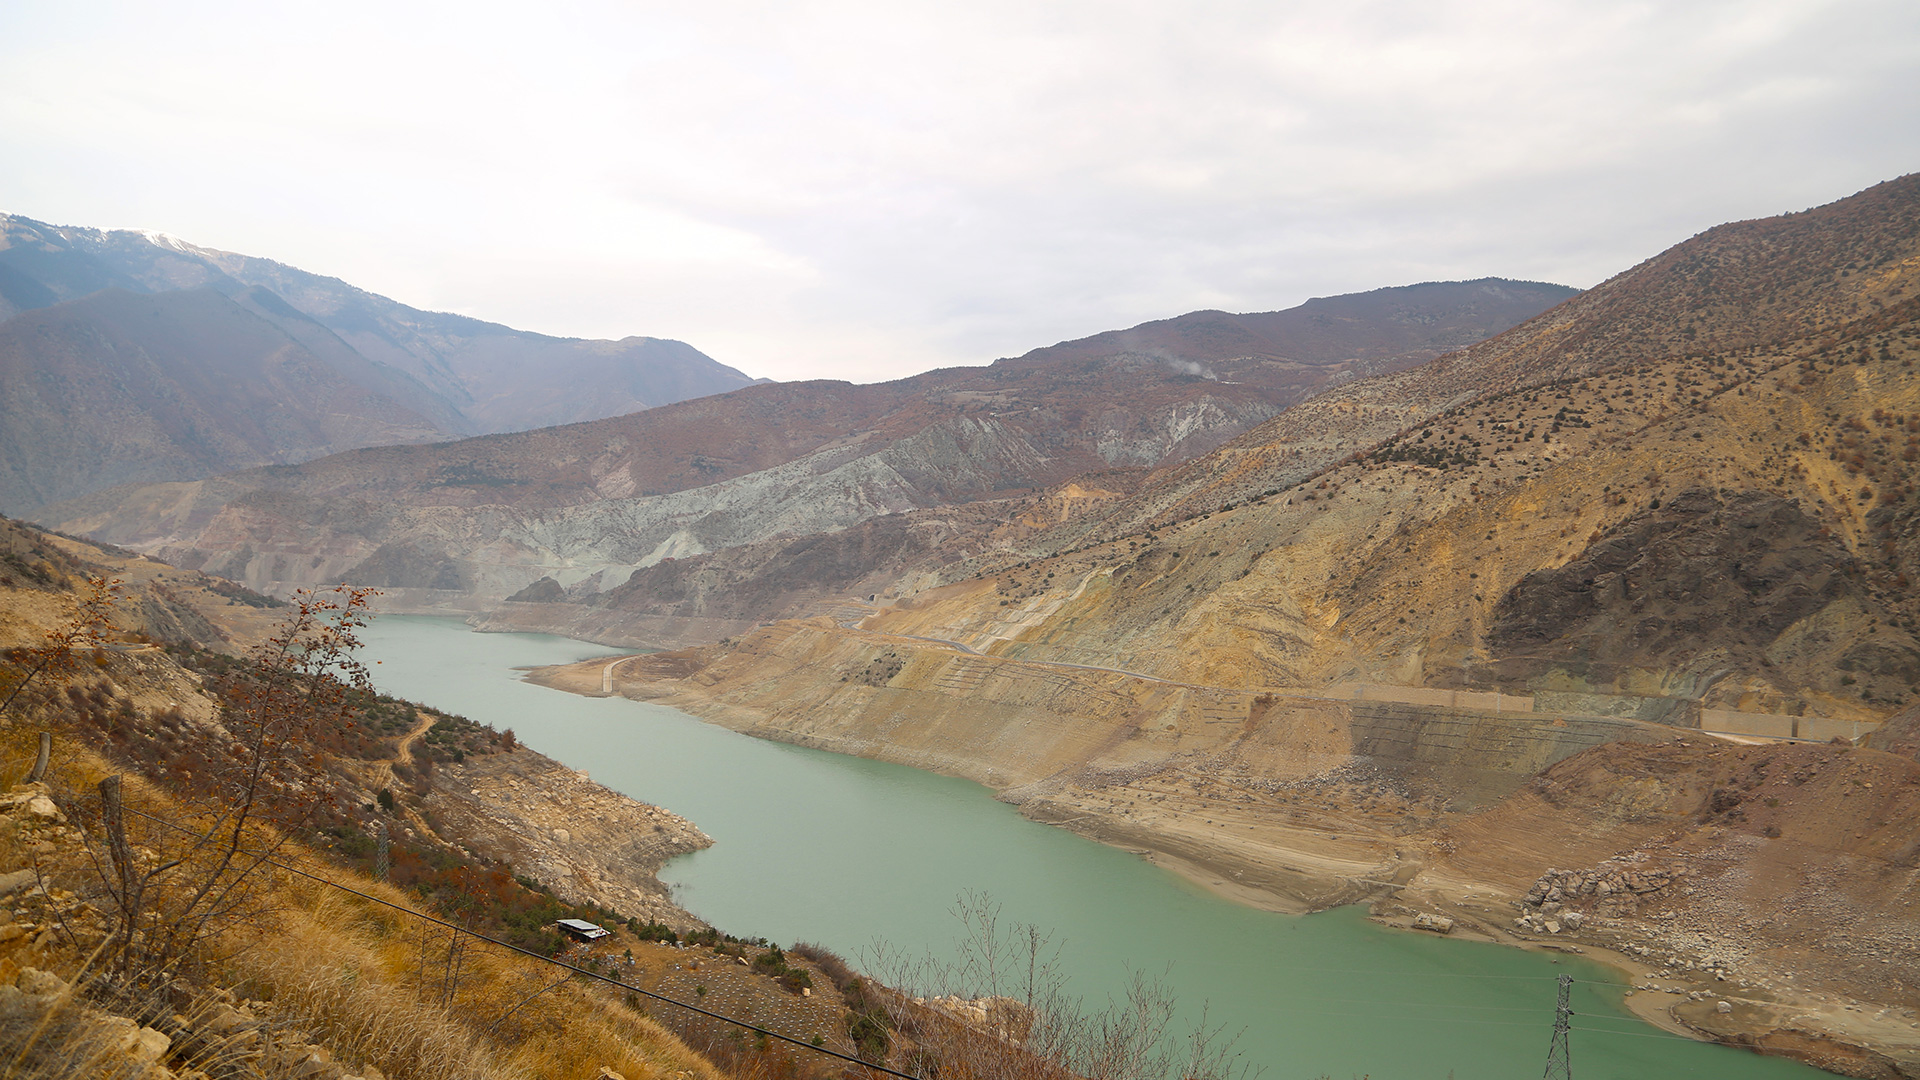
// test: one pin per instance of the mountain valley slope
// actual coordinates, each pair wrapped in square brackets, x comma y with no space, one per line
[1802,278]
[467,524]
[1436,638]
[483,830]
[1596,635]
[123,387]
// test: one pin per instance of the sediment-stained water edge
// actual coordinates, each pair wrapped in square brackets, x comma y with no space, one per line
[847,852]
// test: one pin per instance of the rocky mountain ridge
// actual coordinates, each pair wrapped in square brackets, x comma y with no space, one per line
[470,523]
[1808,278]
[1503,412]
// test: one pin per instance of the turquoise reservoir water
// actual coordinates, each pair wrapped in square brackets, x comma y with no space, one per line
[812,846]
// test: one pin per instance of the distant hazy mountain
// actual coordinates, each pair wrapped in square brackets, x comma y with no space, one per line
[121,387]
[421,375]
[1354,335]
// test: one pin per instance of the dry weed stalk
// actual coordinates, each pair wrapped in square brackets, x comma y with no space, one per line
[351,968]
[1006,1013]
[344,987]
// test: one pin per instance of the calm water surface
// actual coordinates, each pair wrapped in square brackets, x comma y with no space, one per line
[813,846]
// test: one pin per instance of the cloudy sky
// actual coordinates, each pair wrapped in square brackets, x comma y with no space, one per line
[863,190]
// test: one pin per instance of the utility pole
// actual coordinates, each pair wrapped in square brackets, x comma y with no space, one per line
[1559,1059]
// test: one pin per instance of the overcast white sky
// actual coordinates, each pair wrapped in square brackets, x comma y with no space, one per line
[863,190]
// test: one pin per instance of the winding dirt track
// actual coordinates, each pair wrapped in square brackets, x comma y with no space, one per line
[380,773]
[403,753]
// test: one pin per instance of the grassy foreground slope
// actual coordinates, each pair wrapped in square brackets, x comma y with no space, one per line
[272,974]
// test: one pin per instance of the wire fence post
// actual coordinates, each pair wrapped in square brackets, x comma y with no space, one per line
[40,763]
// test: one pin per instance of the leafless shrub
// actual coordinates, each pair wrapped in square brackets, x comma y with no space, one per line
[170,886]
[1001,1011]
[830,963]
[58,654]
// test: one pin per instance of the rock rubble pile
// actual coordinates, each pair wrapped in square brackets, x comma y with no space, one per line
[1565,899]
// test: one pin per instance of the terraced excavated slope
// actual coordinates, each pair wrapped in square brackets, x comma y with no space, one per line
[1436,634]
[473,522]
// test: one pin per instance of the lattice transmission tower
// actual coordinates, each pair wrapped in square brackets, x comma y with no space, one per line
[1559,1058]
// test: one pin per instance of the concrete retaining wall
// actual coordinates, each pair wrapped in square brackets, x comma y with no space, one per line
[1488,700]
[1777,726]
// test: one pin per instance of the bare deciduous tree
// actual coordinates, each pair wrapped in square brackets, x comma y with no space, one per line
[169,892]
[58,654]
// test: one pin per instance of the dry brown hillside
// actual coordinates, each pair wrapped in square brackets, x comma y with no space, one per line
[1735,526]
[391,910]
[211,965]
[1630,358]
[1438,636]
[1794,284]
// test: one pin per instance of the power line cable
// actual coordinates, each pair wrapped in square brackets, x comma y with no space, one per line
[1317,998]
[1449,975]
[1637,1034]
[546,959]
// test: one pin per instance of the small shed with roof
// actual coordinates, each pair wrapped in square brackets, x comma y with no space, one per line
[581,929]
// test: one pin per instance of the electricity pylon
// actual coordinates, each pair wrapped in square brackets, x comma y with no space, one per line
[1559,1058]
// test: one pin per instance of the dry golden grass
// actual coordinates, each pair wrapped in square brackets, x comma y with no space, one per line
[374,980]
[374,984]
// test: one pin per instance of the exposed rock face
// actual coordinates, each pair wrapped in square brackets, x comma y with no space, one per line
[263,529]
[1738,573]
[402,565]
[1623,887]
[586,842]
[1900,734]
[544,591]
[786,577]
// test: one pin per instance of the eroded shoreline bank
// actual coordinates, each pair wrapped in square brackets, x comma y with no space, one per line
[1314,845]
